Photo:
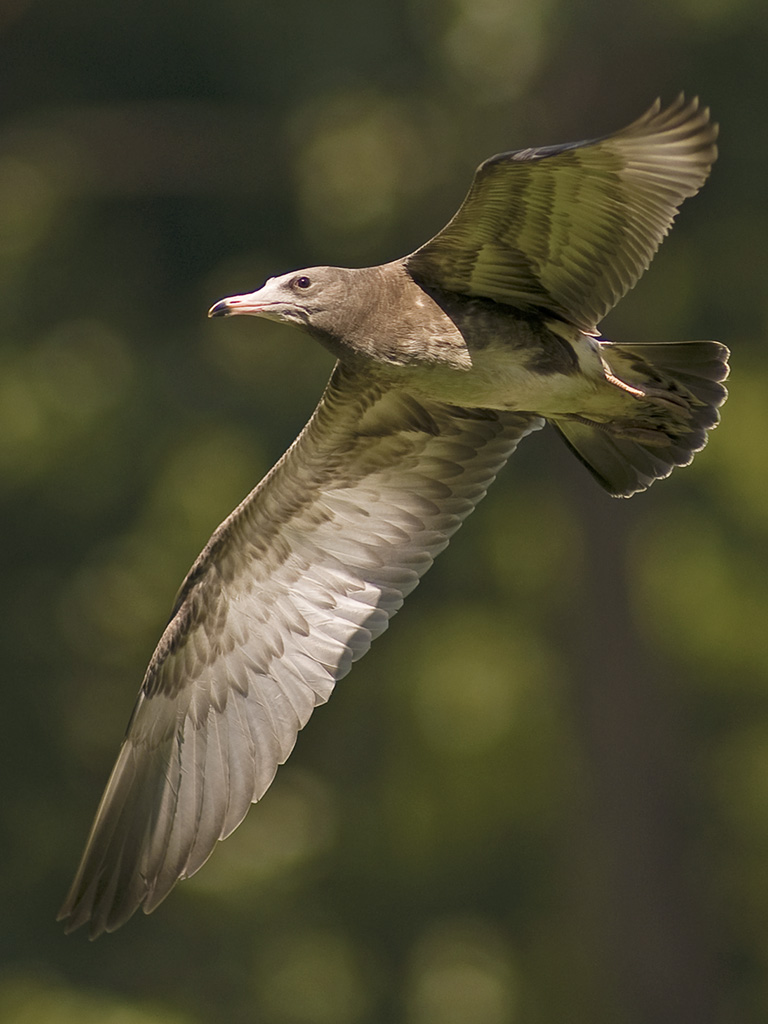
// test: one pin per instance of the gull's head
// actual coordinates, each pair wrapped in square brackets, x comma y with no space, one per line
[305,298]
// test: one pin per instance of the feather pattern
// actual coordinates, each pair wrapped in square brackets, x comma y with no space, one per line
[291,589]
[570,229]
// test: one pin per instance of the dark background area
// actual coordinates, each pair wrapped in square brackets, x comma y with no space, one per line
[543,796]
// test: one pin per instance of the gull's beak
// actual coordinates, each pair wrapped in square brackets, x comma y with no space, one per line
[251,304]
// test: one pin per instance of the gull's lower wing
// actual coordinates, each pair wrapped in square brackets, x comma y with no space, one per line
[571,228]
[290,590]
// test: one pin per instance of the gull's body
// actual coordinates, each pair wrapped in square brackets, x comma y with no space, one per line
[446,359]
[466,351]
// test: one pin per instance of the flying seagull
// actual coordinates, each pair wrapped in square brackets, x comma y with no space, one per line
[446,359]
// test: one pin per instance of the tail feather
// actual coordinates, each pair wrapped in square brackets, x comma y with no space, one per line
[683,390]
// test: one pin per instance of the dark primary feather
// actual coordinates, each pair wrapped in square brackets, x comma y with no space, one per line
[291,589]
[570,229]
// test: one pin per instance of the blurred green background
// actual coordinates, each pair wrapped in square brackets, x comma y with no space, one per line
[543,797]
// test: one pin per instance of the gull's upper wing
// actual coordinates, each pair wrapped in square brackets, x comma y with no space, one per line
[290,590]
[571,228]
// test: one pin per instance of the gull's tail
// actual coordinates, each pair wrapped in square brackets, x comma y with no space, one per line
[678,390]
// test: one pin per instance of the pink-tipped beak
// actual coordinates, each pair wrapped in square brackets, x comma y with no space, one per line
[238,304]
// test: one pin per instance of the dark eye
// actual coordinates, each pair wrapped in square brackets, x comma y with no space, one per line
[302,282]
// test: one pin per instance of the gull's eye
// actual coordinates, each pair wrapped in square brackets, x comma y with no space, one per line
[302,282]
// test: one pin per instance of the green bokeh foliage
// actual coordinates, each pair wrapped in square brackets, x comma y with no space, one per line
[543,795]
